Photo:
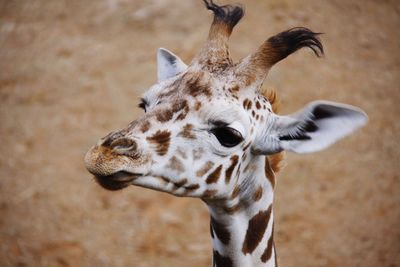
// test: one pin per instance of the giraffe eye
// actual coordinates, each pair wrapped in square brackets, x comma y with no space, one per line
[227,136]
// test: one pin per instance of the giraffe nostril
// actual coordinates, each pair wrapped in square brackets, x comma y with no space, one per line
[123,143]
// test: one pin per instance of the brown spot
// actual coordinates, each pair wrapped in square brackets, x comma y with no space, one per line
[161,139]
[164,115]
[175,164]
[195,87]
[192,187]
[209,193]
[184,108]
[268,250]
[181,152]
[187,132]
[258,104]
[221,261]
[228,172]
[255,230]
[221,231]
[232,209]
[145,126]
[214,176]
[180,183]
[198,152]
[197,106]
[277,161]
[250,79]
[269,173]
[250,104]
[271,96]
[179,105]
[235,88]
[247,104]
[253,113]
[258,193]
[235,191]
[203,170]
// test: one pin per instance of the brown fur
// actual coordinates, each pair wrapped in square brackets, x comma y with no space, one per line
[197,106]
[268,250]
[192,187]
[269,173]
[228,172]
[272,97]
[161,139]
[255,230]
[235,192]
[247,103]
[145,126]
[203,170]
[276,161]
[210,193]
[175,164]
[164,115]
[196,87]
[187,132]
[258,193]
[214,176]
[183,107]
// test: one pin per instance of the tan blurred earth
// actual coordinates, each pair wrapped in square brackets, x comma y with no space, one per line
[71,71]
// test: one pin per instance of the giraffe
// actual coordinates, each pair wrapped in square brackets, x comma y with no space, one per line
[208,131]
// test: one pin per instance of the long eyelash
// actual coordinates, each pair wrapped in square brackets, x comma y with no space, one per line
[218,123]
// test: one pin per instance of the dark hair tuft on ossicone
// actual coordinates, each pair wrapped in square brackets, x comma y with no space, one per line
[228,14]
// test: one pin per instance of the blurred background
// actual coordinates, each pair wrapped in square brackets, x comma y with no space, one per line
[71,71]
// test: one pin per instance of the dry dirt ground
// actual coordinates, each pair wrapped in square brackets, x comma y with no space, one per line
[71,71]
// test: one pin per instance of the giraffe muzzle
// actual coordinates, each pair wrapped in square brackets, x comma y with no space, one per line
[116,165]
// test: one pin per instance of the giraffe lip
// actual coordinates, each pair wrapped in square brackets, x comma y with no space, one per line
[116,181]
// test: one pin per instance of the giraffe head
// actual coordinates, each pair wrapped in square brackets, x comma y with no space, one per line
[207,124]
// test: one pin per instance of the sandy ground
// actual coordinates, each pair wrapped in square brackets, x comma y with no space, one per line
[71,71]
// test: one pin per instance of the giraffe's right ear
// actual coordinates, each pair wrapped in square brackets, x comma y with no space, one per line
[168,64]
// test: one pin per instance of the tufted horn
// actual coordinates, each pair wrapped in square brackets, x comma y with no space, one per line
[255,67]
[215,54]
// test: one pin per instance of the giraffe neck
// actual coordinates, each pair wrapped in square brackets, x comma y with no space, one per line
[242,228]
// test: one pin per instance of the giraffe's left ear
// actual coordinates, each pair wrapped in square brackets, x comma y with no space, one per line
[317,126]
[168,64]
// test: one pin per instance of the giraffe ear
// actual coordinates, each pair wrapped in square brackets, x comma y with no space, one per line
[168,64]
[316,127]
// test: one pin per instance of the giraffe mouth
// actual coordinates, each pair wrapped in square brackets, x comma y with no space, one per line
[116,181]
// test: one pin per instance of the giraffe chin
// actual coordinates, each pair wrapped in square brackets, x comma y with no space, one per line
[116,181]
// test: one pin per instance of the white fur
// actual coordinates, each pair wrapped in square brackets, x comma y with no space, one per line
[345,120]
[168,64]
